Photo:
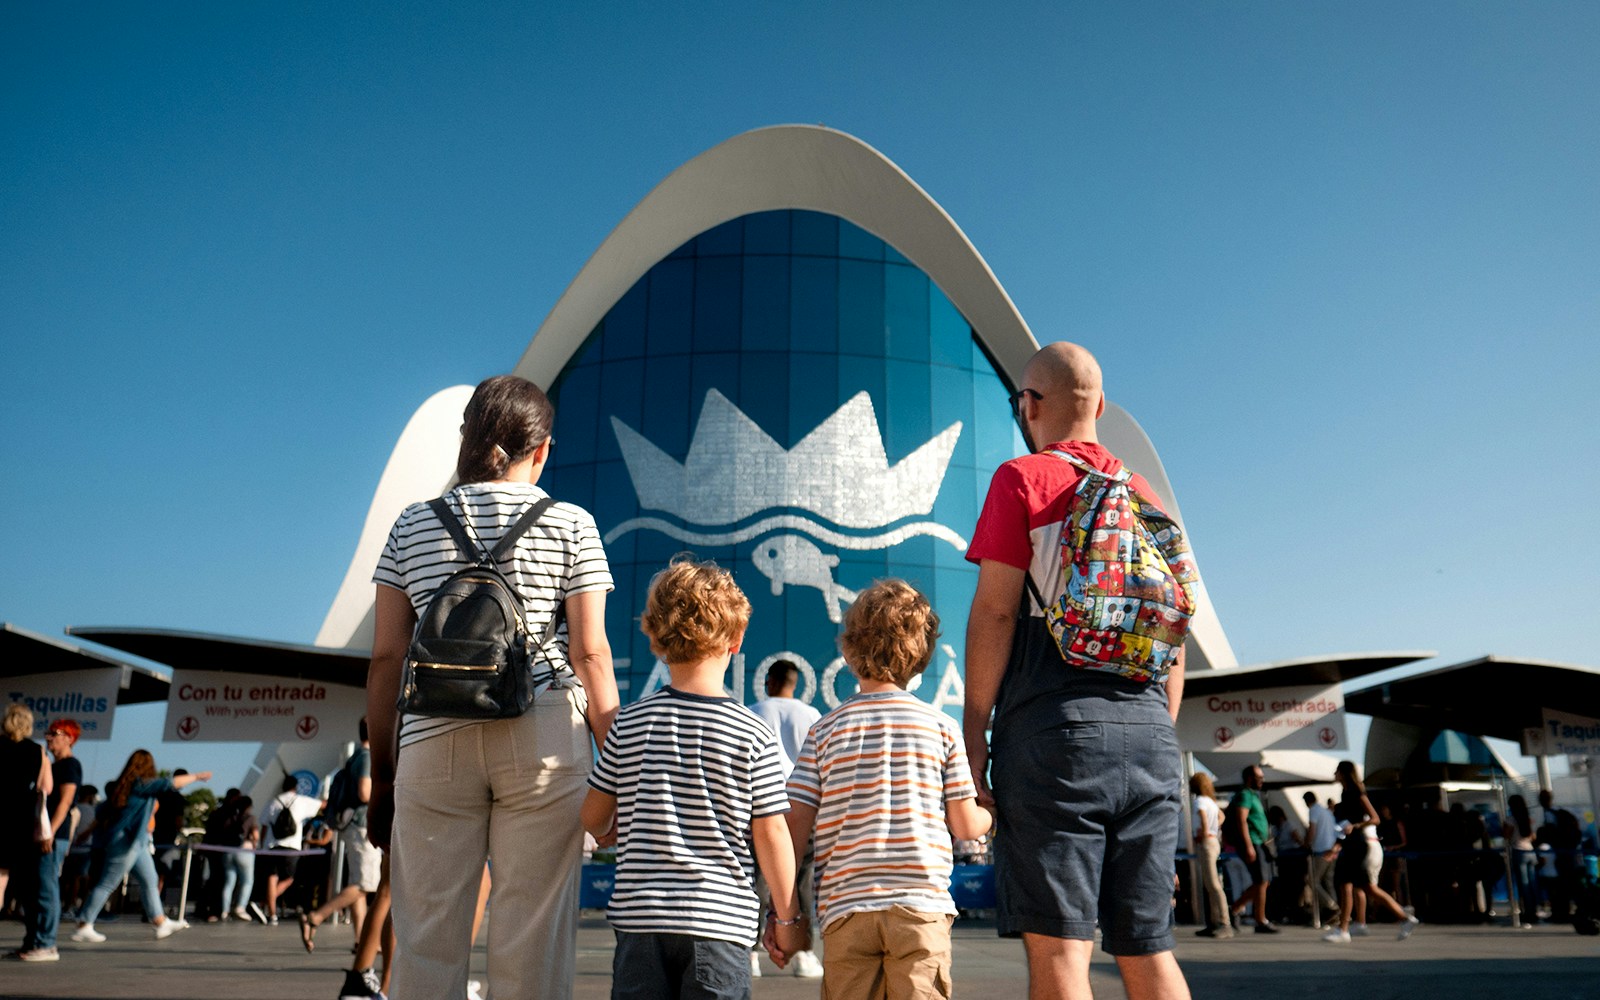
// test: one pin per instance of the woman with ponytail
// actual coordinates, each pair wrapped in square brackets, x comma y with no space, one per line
[132,798]
[450,793]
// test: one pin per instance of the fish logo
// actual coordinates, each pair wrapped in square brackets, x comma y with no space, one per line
[737,484]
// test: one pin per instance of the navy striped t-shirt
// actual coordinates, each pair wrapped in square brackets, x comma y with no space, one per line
[689,773]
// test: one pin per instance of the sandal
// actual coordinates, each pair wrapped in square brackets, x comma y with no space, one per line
[308,932]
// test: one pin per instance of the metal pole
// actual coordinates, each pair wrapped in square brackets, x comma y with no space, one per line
[1196,888]
[1513,891]
[183,893]
[1544,771]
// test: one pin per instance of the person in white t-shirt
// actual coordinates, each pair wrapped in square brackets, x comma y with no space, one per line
[1207,849]
[790,719]
[281,868]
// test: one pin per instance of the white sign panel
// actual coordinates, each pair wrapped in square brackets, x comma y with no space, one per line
[215,705]
[1288,718]
[1572,734]
[87,697]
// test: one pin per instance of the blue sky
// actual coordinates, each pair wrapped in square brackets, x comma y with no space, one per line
[1341,261]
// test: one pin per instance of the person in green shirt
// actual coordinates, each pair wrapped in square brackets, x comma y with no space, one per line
[1247,830]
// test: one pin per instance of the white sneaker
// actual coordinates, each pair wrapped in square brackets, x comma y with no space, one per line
[1337,936]
[167,928]
[1359,930]
[39,955]
[474,990]
[755,965]
[88,933]
[1407,927]
[806,965]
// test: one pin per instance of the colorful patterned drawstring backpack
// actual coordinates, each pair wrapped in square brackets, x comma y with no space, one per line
[1130,580]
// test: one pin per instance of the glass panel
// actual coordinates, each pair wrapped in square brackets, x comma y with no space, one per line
[949,337]
[578,412]
[814,234]
[671,307]
[713,371]
[717,283]
[905,312]
[861,308]
[857,243]
[814,304]
[624,324]
[725,240]
[951,400]
[764,391]
[666,402]
[910,405]
[621,396]
[765,311]
[766,233]
[813,393]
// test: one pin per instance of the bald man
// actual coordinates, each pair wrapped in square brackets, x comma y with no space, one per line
[1086,774]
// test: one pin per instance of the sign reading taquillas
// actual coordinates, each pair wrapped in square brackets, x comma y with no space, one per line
[88,697]
[215,705]
[1288,718]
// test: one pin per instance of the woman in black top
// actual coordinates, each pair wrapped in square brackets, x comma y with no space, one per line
[1354,813]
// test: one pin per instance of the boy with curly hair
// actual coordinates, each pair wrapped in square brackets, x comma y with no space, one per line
[883,781]
[693,783]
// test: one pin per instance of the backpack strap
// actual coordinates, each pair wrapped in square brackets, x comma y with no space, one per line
[1122,474]
[1033,589]
[529,518]
[458,533]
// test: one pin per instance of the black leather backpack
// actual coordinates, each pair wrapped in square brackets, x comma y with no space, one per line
[471,655]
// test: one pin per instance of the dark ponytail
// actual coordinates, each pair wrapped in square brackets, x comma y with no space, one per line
[507,419]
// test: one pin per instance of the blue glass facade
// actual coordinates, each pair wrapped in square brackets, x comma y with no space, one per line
[678,421]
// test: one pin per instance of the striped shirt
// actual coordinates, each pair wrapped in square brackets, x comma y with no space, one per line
[556,558]
[689,773]
[878,769]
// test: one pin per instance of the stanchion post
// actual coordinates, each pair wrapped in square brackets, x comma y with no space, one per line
[1196,888]
[183,893]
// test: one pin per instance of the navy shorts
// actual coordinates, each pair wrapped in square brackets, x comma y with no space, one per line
[678,967]
[1088,834]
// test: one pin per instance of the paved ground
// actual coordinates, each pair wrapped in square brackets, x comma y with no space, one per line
[233,962]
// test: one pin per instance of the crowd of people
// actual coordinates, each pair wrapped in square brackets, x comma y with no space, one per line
[719,814]
[1349,856]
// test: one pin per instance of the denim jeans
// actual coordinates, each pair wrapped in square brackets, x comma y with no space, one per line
[237,867]
[118,863]
[43,917]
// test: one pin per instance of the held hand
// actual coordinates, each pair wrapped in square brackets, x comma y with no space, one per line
[978,758]
[380,814]
[792,938]
[769,941]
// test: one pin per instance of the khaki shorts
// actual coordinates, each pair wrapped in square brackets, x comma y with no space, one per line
[898,954]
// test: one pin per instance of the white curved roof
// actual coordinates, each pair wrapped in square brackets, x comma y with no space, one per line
[772,169]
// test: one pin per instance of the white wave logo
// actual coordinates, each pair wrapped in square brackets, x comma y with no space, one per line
[838,476]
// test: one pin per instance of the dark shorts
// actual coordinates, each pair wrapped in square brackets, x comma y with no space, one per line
[1264,868]
[678,967]
[278,866]
[1089,817]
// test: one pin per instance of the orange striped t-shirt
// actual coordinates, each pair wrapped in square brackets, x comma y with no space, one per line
[878,769]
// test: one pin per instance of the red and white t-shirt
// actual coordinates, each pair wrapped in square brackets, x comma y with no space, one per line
[1028,499]
[1021,526]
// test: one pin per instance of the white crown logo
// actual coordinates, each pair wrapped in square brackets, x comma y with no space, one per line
[838,472]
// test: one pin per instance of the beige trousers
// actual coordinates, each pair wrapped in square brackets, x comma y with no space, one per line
[893,954]
[1207,852]
[507,790]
